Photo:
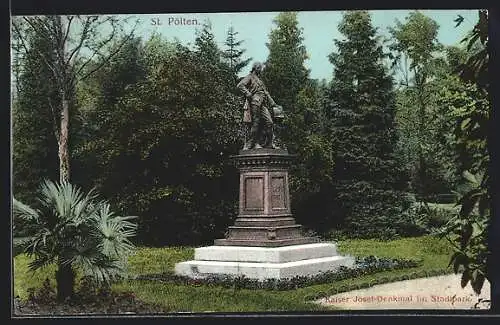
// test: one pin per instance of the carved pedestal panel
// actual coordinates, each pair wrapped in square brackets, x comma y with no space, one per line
[265,217]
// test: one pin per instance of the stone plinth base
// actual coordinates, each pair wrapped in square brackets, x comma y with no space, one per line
[264,242]
[264,262]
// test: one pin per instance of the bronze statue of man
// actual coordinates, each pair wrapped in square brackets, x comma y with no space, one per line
[258,101]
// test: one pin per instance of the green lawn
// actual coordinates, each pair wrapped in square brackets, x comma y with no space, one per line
[24,279]
[433,253]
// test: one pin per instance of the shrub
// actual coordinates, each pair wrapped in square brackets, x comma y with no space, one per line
[76,231]
[430,217]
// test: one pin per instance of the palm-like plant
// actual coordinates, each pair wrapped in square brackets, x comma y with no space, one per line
[75,230]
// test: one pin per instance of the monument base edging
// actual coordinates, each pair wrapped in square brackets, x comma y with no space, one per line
[264,262]
[263,271]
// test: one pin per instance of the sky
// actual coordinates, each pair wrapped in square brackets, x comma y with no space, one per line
[319,30]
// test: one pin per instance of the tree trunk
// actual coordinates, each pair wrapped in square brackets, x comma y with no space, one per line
[63,141]
[65,278]
[422,170]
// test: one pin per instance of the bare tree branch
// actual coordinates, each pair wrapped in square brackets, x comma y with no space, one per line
[53,25]
[40,26]
[18,45]
[106,60]
[83,37]
[68,29]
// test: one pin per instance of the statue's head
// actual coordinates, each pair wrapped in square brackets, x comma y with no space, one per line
[257,67]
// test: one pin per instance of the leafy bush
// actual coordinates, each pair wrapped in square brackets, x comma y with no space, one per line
[430,218]
[437,217]
[467,232]
[175,119]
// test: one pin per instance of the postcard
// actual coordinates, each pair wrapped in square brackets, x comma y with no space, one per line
[245,162]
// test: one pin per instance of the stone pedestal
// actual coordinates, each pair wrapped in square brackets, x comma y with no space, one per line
[264,242]
[265,218]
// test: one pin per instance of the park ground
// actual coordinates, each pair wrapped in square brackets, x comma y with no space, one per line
[150,296]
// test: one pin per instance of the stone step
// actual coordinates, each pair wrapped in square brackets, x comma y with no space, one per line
[263,271]
[266,242]
[265,254]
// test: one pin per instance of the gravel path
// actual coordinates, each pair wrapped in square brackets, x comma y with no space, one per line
[440,292]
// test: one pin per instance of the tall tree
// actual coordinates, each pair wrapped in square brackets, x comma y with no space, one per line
[285,73]
[311,181]
[288,82]
[416,49]
[233,52]
[368,179]
[451,95]
[75,41]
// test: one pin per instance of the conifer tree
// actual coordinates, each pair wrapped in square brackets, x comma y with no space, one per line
[285,73]
[205,44]
[368,180]
[233,53]
[288,82]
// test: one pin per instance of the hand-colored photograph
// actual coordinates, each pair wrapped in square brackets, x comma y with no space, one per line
[309,161]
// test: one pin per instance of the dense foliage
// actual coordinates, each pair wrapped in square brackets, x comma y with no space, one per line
[169,113]
[34,142]
[288,81]
[153,126]
[470,102]
[426,137]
